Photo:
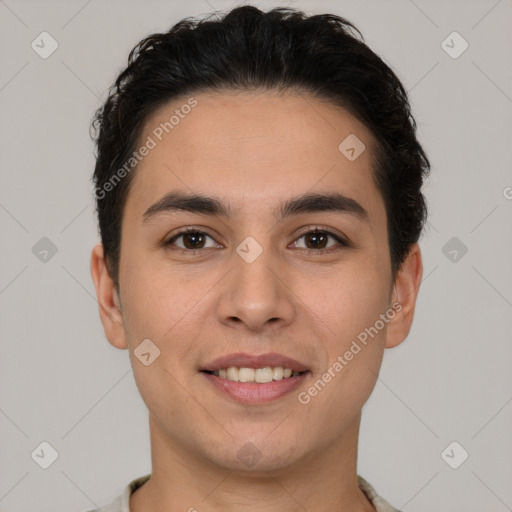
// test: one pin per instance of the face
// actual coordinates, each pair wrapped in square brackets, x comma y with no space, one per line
[264,280]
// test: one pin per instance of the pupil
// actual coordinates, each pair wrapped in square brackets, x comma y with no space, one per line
[317,236]
[193,236]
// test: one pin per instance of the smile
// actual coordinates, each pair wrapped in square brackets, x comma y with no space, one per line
[260,375]
[254,379]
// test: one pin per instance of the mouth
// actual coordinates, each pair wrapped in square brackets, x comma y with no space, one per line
[259,375]
[255,379]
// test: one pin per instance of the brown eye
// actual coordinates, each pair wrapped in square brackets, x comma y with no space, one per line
[317,239]
[192,239]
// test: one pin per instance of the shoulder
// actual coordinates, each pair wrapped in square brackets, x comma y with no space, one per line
[122,502]
[380,504]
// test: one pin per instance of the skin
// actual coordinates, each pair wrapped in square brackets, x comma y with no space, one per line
[254,150]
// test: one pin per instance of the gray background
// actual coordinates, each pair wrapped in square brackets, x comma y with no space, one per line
[61,381]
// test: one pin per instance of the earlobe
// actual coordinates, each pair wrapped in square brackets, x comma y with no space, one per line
[407,284]
[108,300]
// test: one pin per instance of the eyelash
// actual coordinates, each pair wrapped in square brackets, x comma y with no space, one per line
[316,229]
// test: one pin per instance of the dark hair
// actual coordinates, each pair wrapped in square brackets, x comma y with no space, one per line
[284,50]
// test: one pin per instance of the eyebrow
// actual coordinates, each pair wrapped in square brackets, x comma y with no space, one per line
[307,203]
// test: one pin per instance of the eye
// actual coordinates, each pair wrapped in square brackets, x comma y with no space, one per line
[317,239]
[193,239]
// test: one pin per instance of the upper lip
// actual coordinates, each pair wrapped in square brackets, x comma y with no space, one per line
[243,360]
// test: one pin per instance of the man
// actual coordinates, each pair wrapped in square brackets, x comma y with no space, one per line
[258,191]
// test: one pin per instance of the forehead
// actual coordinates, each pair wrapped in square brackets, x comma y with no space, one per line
[253,148]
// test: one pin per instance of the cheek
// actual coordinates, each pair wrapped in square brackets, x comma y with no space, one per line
[356,339]
[158,308]
[349,300]
[153,297]
[168,307]
[354,350]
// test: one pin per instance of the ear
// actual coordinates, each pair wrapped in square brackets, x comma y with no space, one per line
[407,284]
[108,300]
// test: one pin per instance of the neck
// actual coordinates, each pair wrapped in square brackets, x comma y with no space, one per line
[184,481]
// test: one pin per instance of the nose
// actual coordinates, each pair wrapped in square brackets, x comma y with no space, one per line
[257,295]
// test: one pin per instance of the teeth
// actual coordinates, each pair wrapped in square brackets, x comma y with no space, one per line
[263,375]
[232,374]
[246,375]
[260,375]
[278,373]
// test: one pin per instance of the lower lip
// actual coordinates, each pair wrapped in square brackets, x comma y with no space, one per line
[253,392]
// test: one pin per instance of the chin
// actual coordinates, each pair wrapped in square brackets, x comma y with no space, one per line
[259,456]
